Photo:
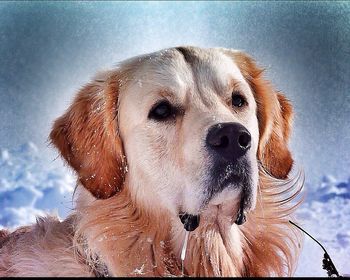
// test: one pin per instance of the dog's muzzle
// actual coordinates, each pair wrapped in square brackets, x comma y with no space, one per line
[227,145]
[191,222]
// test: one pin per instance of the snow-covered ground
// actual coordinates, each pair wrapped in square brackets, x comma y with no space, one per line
[326,215]
[31,186]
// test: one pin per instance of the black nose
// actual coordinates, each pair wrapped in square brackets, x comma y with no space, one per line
[229,140]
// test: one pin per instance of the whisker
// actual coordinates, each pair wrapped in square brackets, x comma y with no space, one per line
[260,202]
[279,193]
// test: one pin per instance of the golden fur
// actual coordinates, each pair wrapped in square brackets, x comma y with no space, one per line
[111,228]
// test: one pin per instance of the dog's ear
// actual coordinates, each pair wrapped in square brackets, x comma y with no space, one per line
[273,147]
[274,114]
[87,137]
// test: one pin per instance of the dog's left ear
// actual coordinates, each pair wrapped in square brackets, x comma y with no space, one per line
[273,148]
[87,137]
[275,116]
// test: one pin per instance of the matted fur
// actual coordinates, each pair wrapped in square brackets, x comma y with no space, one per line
[111,228]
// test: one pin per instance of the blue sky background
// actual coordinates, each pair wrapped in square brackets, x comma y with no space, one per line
[48,50]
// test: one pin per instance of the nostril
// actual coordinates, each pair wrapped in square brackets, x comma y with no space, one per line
[244,140]
[219,142]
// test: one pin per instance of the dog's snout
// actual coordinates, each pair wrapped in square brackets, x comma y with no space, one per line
[229,140]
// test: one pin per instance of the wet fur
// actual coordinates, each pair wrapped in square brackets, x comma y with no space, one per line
[108,223]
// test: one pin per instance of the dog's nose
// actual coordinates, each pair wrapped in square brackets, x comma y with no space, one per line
[229,140]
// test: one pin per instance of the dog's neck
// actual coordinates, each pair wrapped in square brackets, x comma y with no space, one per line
[213,249]
[132,242]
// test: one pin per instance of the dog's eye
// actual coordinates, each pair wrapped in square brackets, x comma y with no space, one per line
[161,111]
[238,100]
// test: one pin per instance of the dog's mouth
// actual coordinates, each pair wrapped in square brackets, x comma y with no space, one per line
[192,221]
[228,175]
[241,217]
[229,195]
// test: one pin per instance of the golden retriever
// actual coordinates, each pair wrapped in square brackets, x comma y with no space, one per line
[184,140]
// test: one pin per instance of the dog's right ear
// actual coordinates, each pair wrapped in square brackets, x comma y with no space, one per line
[87,137]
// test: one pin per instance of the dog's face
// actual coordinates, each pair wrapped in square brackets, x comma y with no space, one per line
[190,125]
[188,122]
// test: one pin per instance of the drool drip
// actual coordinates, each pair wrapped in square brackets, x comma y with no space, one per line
[183,253]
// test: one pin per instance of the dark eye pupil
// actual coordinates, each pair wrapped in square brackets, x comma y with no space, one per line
[237,100]
[161,111]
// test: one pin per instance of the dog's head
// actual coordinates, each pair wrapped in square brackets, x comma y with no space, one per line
[185,129]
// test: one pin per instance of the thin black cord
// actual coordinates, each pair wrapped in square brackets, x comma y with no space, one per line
[327,261]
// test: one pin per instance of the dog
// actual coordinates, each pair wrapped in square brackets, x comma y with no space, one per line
[183,151]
